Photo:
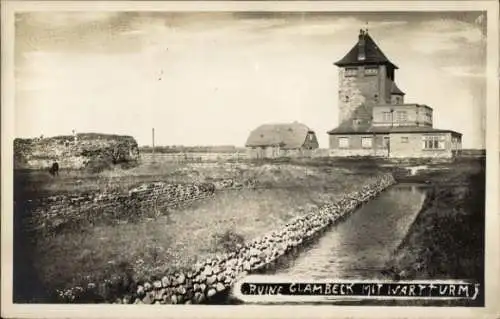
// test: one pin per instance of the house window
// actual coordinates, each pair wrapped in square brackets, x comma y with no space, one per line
[387,116]
[433,142]
[401,116]
[371,71]
[343,142]
[404,139]
[351,71]
[366,142]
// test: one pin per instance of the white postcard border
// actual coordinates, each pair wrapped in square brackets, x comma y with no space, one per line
[189,311]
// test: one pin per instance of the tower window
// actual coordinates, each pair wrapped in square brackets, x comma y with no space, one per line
[396,99]
[347,98]
[351,71]
[371,71]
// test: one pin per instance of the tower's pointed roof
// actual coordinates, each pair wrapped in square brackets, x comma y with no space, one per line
[366,51]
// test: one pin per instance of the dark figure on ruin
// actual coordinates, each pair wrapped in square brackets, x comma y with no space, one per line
[54,170]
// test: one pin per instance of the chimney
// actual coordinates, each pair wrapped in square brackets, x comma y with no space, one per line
[361,45]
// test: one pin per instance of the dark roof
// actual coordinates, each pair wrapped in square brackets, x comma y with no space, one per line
[385,130]
[395,90]
[373,54]
[286,135]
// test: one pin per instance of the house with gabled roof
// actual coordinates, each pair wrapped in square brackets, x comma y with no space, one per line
[281,140]
[374,119]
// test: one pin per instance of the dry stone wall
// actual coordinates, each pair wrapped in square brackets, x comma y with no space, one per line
[213,278]
[48,215]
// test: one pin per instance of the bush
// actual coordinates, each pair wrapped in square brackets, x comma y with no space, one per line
[229,240]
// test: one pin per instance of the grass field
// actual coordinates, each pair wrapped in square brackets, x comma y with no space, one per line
[181,236]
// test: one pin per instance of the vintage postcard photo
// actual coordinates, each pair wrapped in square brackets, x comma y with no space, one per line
[200,157]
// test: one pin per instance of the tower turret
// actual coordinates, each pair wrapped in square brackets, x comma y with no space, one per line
[366,78]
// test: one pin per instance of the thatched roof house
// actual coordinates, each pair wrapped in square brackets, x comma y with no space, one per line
[272,138]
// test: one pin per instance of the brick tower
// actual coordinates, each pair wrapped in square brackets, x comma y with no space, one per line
[366,78]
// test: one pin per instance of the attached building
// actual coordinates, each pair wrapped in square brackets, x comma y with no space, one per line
[281,140]
[374,118]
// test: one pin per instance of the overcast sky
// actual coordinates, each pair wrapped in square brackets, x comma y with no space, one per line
[210,78]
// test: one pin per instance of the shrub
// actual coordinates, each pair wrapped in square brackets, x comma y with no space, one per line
[229,240]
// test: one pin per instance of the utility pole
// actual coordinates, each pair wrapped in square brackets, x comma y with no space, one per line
[153,141]
[389,136]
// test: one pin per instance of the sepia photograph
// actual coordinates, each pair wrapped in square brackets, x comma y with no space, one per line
[203,156]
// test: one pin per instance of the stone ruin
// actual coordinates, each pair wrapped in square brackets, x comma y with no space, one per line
[75,151]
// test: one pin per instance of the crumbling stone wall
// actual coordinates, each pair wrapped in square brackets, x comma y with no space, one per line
[51,214]
[74,152]
[214,277]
